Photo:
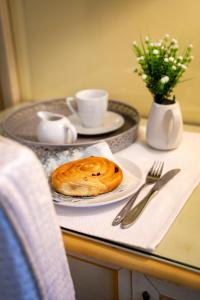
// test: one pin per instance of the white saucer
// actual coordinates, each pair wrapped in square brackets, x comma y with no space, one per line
[112,121]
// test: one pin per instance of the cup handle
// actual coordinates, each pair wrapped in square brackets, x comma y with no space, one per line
[69,105]
[176,128]
[71,129]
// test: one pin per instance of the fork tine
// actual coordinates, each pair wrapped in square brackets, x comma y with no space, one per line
[159,168]
[156,169]
[151,171]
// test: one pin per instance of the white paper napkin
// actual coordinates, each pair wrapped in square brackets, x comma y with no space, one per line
[158,216]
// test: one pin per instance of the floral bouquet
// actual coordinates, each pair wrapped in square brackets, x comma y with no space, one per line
[161,66]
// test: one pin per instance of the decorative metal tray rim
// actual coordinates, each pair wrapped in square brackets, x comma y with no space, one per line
[117,140]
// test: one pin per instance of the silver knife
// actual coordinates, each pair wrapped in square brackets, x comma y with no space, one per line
[134,213]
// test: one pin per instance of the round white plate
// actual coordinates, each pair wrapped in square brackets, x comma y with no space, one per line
[112,121]
[132,176]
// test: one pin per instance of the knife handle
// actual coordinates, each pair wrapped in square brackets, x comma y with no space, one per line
[124,211]
[134,213]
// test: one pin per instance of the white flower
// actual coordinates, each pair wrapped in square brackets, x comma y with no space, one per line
[144,76]
[180,57]
[164,79]
[146,38]
[191,57]
[155,51]
[167,36]
[190,46]
[140,58]
[151,44]
[179,65]
[174,41]
[134,43]
[175,46]
[171,58]
[166,59]
[173,67]
[183,67]
[158,44]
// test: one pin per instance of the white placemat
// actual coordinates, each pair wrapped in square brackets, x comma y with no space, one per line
[157,218]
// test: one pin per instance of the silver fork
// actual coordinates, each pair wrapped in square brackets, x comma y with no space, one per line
[152,176]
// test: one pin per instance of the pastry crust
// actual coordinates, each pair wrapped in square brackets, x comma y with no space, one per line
[89,176]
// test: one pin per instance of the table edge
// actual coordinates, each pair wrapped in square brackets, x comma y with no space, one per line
[131,261]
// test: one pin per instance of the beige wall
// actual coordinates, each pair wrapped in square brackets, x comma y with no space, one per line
[1,99]
[66,45]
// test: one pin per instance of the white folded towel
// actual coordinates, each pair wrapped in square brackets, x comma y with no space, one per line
[26,199]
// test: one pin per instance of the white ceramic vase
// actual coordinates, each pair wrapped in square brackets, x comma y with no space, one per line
[164,126]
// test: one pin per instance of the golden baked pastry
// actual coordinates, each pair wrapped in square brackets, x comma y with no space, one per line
[89,176]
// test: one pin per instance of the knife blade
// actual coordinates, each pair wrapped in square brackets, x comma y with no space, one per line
[135,212]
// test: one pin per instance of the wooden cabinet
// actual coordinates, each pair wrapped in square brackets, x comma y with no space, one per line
[96,280]
[168,290]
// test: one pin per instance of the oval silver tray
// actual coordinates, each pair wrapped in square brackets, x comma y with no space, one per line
[21,126]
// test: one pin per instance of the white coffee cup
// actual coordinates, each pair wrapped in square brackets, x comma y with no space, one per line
[92,105]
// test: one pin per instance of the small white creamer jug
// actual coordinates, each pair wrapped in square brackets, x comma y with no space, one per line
[55,128]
